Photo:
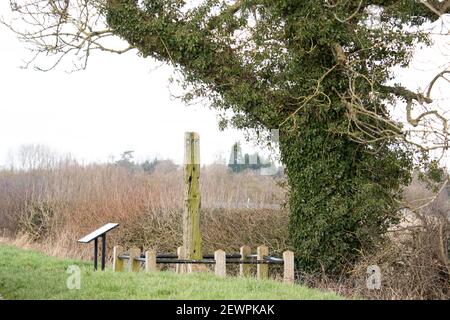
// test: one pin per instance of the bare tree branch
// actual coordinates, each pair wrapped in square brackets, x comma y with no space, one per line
[60,28]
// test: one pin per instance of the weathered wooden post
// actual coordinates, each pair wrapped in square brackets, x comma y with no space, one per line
[220,268]
[150,261]
[134,265]
[262,270]
[180,268]
[117,262]
[192,239]
[244,269]
[288,258]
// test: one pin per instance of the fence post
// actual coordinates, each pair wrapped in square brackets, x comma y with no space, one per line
[262,270]
[150,261]
[288,258]
[244,269]
[134,265]
[192,239]
[117,262]
[180,268]
[220,267]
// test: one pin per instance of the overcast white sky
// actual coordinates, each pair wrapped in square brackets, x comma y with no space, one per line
[121,103]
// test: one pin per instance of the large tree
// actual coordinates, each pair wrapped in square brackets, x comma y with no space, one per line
[319,71]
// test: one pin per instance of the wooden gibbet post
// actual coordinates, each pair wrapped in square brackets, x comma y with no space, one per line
[192,239]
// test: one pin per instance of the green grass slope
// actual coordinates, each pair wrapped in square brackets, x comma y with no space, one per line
[26,274]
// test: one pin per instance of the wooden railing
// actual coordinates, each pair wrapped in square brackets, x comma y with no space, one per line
[134,260]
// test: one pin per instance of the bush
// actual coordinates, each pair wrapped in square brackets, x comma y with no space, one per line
[37,221]
[414,264]
[226,229]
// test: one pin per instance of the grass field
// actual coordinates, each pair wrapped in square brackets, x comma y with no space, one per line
[26,274]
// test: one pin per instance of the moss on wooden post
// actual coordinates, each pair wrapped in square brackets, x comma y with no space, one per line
[192,239]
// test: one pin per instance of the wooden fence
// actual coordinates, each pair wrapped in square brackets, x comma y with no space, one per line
[134,259]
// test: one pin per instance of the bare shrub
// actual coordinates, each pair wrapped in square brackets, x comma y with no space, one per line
[226,229]
[414,261]
[37,220]
[415,267]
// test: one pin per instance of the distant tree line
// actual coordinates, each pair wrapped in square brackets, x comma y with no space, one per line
[127,161]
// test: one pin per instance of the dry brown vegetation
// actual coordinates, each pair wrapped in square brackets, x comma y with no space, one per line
[55,206]
[414,260]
